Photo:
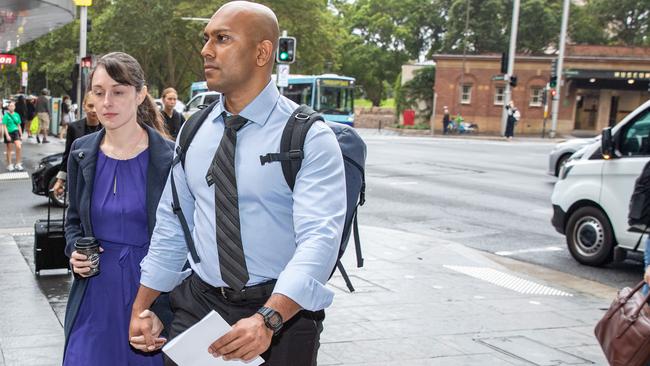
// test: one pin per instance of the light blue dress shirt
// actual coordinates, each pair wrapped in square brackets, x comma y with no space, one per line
[293,237]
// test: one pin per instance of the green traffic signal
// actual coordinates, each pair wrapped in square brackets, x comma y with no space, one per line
[284,56]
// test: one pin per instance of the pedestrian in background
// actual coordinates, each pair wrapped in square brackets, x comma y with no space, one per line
[21,109]
[66,115]
[268,284]
[446,120]
[44,115]
[82,127]
[513,117]
[31,114]
[115,179]
[13,137]
[173,119]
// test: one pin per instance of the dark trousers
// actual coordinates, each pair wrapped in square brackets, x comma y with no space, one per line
[510,127]
[296,345]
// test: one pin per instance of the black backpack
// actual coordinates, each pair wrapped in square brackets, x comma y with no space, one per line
[290,156]
[639,214]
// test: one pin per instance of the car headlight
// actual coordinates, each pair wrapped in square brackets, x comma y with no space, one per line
[564,172]
[42,165]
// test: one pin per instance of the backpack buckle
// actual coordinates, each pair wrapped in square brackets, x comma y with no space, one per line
[302,116]
[296,154]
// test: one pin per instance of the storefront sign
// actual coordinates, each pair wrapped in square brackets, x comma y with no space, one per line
[7,59]
[606,74]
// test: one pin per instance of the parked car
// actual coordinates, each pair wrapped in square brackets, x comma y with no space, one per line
[591,197]
[44,177]
[563,150]
[198,102]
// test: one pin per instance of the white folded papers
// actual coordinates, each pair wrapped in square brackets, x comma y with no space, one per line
[190,348]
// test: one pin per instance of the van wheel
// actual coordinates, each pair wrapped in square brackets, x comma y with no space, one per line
[560,163]
[589,236]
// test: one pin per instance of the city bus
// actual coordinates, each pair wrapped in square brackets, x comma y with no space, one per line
[331,95]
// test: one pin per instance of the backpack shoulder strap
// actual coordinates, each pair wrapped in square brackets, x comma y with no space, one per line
[292,143]
[190,127]
[188,132]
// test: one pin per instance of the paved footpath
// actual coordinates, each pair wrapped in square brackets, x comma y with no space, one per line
[419,301]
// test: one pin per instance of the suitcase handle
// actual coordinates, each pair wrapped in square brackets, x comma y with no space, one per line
[49,207]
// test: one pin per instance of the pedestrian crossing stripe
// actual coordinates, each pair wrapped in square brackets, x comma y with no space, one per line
[508,281]
[14,176]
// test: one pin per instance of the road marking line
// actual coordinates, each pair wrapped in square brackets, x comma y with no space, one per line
[507,253]
[402,183]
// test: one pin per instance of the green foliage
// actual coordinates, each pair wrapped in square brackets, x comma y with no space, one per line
[367,39]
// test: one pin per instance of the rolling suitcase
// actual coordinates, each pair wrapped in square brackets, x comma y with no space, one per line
[49,243]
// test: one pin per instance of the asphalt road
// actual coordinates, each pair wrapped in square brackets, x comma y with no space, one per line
[489,195]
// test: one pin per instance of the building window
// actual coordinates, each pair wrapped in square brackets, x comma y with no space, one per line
[466,94]
[536,95]
[498,95]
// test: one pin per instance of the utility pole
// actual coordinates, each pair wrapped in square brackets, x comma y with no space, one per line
[511,64]
[560,65]
[83,22]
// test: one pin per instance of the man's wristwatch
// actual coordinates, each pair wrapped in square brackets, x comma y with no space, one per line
[272,319]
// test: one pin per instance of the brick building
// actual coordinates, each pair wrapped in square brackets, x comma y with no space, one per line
[602,84]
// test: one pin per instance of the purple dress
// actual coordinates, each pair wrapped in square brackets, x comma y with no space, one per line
[100,334]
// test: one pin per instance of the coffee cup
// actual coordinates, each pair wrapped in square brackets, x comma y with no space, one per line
[89,247]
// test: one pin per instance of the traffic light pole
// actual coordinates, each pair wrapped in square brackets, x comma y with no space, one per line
[83,21]
[560,65]
[511,64]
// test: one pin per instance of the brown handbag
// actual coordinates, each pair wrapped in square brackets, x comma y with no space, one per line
[624,330]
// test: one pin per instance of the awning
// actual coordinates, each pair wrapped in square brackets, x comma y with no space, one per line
[22,21]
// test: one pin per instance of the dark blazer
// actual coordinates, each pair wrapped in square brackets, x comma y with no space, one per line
[75,130]
[81,173]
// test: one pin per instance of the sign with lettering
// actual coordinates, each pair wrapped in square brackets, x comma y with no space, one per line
[7,59]
[83,2]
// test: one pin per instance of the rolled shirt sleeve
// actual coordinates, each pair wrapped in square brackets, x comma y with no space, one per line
[162,267]
[319,208]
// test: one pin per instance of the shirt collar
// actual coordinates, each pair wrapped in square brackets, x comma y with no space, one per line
[258,110]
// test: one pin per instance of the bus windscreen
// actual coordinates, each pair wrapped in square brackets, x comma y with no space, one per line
[336,97]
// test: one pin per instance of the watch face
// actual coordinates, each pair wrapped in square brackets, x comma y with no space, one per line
[275,320]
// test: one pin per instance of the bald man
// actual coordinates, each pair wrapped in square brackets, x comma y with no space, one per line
[270,284]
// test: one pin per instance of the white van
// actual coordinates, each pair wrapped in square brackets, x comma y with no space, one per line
[592,194]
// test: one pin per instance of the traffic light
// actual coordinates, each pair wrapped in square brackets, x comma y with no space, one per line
[553,92]
[286,50]
[89,25]
[513,80]
[504,63]
[553,79]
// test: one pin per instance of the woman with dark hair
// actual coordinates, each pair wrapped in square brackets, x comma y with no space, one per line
[115,179]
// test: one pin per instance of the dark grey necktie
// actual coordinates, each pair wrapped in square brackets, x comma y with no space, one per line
[222,173]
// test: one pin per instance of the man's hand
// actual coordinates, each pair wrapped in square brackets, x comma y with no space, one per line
[80,263]
[59,187]
[144,331]
[247,339]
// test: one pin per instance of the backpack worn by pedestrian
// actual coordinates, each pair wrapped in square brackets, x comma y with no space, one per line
[639,215]
[290,157]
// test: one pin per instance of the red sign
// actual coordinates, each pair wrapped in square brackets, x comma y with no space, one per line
[7,59]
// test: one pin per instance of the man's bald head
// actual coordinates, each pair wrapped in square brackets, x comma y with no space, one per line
[259,19]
